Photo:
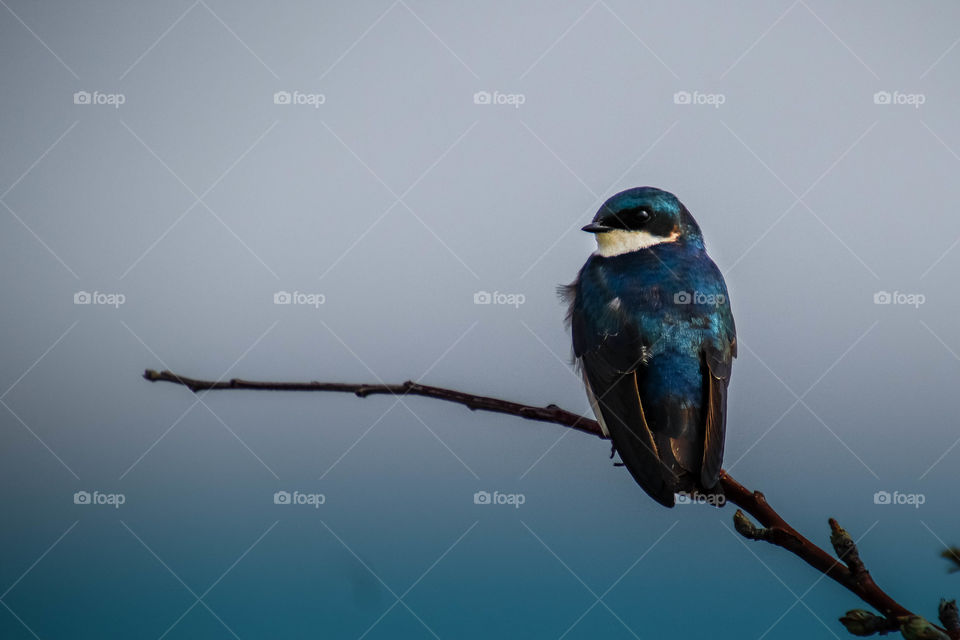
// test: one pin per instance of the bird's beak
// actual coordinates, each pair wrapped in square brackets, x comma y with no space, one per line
[596,227]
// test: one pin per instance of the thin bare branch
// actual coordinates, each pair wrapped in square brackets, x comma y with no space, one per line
[849,570]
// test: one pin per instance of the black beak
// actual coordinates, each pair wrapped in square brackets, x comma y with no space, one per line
[596,227]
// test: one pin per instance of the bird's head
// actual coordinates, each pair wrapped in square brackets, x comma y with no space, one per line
[639,218]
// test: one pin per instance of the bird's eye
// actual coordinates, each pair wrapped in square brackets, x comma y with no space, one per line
[643,215]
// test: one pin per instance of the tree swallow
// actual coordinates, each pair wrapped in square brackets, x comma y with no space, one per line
[654,338]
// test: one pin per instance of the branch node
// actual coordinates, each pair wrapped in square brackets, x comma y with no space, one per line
[846,550]
[747,529]
[860,622]
[950,617]
[918,628]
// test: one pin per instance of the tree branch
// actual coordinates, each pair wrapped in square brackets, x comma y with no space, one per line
[550,413]
[849,570]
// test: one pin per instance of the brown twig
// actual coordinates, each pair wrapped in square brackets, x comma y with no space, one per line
[849,571]
[550,413]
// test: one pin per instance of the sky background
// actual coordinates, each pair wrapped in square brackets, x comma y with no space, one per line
[184,192]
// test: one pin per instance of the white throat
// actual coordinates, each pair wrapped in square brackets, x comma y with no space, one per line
[620,241]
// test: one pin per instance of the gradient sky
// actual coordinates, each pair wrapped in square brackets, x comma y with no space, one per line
[150,156]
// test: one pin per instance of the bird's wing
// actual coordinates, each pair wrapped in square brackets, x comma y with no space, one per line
[717,376]
[609,349]
[619,409]
[718,353]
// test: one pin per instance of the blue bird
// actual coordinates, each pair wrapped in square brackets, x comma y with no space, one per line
[654,338]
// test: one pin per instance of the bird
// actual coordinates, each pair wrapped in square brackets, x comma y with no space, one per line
[654,339]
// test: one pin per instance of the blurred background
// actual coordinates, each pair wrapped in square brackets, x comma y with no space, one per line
[393,190]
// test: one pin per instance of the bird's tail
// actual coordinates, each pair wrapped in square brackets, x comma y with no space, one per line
[682,456]
[689,486]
